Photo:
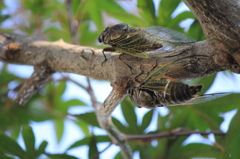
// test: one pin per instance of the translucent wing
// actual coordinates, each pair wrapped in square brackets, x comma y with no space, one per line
[168,37]
[204,98]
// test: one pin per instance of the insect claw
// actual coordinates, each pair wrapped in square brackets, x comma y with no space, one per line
[119,57]
[105,58]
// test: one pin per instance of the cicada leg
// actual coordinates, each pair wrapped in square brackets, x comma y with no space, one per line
[135,79]
[119,57]
[111,49]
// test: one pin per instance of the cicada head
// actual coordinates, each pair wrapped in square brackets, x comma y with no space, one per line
[112,33]
[143,97]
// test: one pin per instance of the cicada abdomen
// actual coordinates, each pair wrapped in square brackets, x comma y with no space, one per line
[163,92]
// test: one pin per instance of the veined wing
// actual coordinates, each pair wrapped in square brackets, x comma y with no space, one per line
[168,37]
[204,98]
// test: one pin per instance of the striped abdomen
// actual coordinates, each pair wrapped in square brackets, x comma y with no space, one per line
[162,93]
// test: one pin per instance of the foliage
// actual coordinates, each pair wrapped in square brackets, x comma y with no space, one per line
[49,20]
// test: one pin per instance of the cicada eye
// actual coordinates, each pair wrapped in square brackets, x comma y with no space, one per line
[100,38]
[124,27]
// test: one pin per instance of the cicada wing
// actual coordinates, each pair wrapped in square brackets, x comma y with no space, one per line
[204,98]
[168,37]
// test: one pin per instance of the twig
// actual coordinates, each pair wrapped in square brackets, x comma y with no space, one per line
[75,82]
[164,135]
[95,156]
[89,89]
[70,21]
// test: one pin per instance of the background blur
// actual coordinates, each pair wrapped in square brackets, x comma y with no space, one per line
[61,113]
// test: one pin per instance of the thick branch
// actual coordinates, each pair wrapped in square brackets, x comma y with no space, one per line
[104,112]
[220,22]
[198,59]
[33,84]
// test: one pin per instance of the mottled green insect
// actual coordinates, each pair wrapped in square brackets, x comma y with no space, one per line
[139,41]
[164,91]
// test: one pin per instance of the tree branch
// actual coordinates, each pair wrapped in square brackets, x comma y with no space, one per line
[164,135]
[198,59]
[33,84]
[219,20]
[104,112]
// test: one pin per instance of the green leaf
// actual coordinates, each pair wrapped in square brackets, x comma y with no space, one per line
[93,150]
[113,9]
[95,13]
[205,81]
[180,17]
[2,156]
[9,146]
[129,114]
[195,150]
[221,105]
[81,142]
[83,126]
[161,122]
[74,102]
[120,126]
[86,141]
[160,150]
[196,31]
[166,8]
[29,140]
[179,117]
[61,156]
[41,148]
[76,7]
[232,138]
[147,10]
[147,118]
[59,128]
[89,118]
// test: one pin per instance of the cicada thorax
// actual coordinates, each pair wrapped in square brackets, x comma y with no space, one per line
[162,92]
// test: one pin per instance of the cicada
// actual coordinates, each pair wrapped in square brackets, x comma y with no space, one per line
[164,91]
[140,41]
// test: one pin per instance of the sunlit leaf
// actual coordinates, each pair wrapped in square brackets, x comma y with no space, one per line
[61,156]
[2,156]
[29,141]
[120,125]
[74,102]
[147,10]
[41,148]
[205,81]
[93,150]
[86,141]
[129,114]
[196,150]
[160,150]
[196,31]
[232,138]
[165,10]
[147,118]
[89,118]
[181,17]
[59,128]
[11,147]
